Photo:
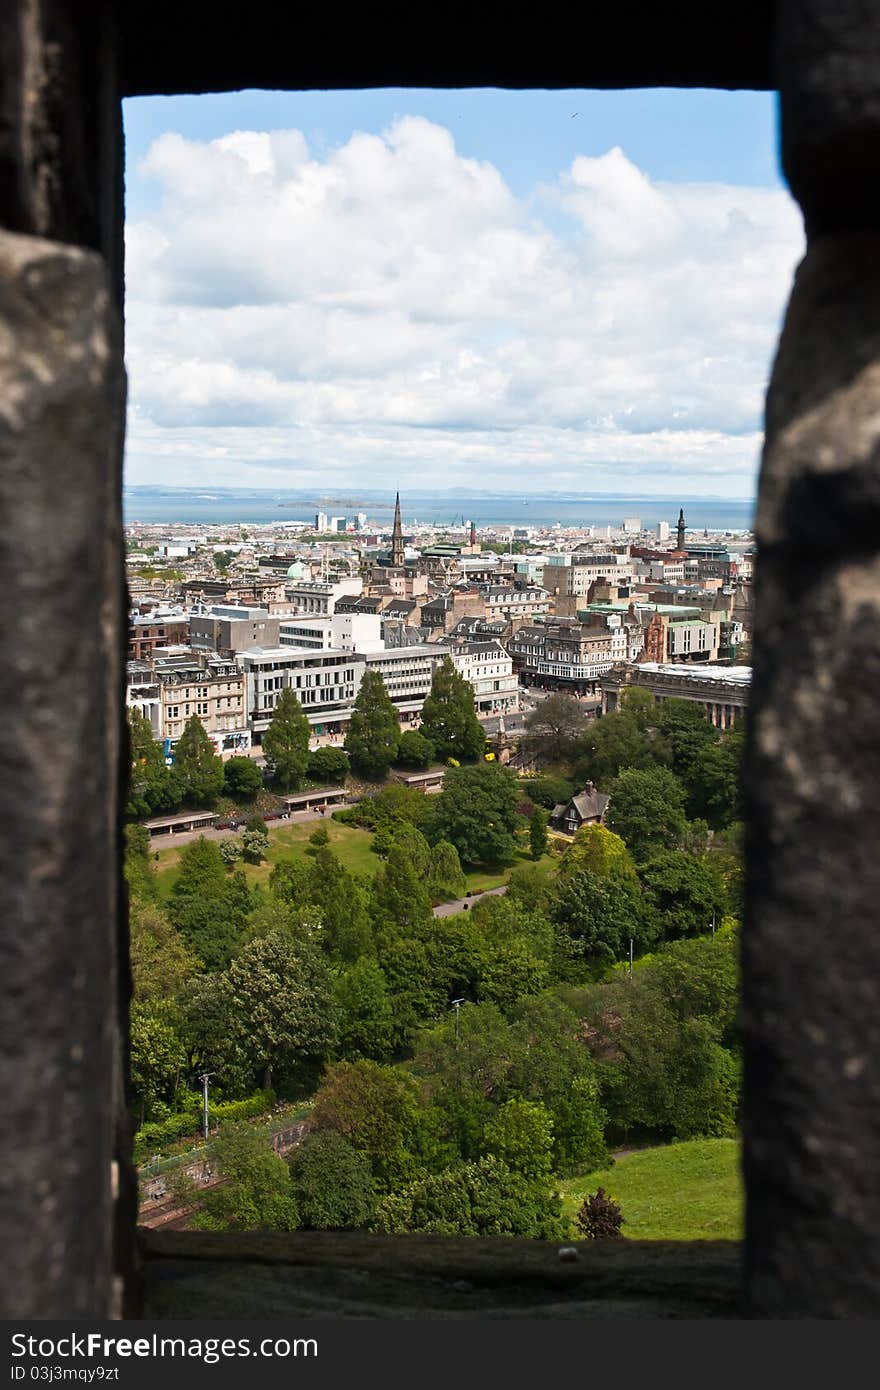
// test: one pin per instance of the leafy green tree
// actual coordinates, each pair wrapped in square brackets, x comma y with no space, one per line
[465,1064]
[538,833]
[332,1183]
[483,1198]
[549,791]
[283,1019]
[256,1193]
[520,1133]
[449,720]
[415,750]
[683,893]
[138,864]
[619,740]
[154,789]
[477,812]
[374,728]
[286,741]
[389,806]
[231,850]
[510,972]
[291,880]
[550,1063]
[713,781]
[255,846]
[379,1110]
[531,886]
[199,768]
[647,811]
[329,765]
[366,1014]
[242,778]
[400,904]
[446,878]
[200,869]
[596,848]
[319,837]
[157,1059]
[688,733]
[161,962]
[597,918]
[554,726]
[346,931]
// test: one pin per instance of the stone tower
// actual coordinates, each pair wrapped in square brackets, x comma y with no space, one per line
[680,542]
[397,552]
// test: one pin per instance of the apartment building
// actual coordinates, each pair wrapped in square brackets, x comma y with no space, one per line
[563,652]
[505,601]
[160,628]
[320,596]
[489,670]
[178,683]
[569,576]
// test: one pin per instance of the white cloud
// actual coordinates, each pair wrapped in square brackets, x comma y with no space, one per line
[393,310]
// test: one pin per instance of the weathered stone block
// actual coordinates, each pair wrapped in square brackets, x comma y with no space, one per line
[811,945]
[61,416]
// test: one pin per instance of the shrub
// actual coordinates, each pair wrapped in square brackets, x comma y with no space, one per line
[255,846]
[600,1217]
[319,837]
[230,850]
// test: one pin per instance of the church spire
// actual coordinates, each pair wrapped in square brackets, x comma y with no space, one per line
[397,552]
[680,542]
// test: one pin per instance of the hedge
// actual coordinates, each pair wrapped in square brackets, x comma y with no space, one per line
[151,1138]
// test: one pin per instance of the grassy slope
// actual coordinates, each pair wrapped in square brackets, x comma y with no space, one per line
[350,843]
[690,1191]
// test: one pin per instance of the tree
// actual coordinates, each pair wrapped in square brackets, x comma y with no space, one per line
[446,878]
[599,1217]
[554,726]
[374,729]
[549,791]
[538,833]
[619,740]
[345,925]
[283,1016]
[449,720]
[520,1133]
[231,849]
[477,812]
[153,789]
[332,1183]
[510,972]
[484,1198]
[415,750]
[597,918]
[683,893]
[200,870]
[400,904]
[161,962]
[255,846]
[138,863]
[208,905]
[256,1193]
[157,1058]
[286,741]
[596,848]
[380,1112]
[242,778]
[366,1015]
[328,765]
[197,765]
[647,811]
[319,837]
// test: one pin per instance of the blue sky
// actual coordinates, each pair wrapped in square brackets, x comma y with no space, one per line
[551,264]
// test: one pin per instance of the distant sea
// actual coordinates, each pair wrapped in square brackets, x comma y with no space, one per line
[218,506]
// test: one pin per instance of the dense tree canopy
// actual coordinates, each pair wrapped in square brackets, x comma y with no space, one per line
[647,811]
[477,811]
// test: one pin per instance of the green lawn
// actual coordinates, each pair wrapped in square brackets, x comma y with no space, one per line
[689,1191]
[350,843]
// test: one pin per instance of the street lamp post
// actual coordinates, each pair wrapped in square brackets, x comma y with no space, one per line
[456,1004]
[204,1080]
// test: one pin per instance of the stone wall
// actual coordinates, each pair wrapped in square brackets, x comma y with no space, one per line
[811,955]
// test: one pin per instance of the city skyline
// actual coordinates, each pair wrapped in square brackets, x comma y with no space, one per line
[306,308]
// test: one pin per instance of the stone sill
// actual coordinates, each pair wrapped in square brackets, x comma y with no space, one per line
[327,1274]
